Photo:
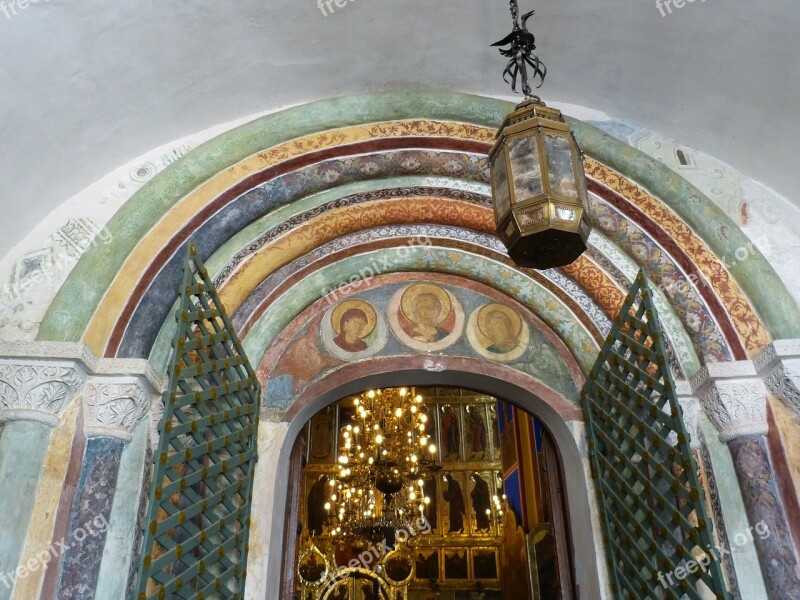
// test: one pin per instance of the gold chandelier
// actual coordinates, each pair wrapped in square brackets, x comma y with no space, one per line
[386,455]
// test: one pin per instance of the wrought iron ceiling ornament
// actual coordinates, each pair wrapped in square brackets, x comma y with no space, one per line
[521,44]
[538,183]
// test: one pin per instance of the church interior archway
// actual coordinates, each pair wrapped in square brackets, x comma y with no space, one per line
[492,522]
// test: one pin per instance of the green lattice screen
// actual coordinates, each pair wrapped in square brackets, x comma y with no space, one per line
[196,529]
[650,498]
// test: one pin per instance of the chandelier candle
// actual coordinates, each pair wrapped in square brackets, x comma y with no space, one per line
[386,456]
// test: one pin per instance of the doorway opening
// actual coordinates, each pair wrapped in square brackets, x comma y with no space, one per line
[492,518]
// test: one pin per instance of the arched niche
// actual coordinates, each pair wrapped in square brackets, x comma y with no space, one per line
[267,563]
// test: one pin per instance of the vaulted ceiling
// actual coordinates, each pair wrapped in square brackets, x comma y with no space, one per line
[87,86]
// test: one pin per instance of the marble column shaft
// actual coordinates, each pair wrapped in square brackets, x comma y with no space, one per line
[735,400]
[37,382]
[113,407]
[34,392]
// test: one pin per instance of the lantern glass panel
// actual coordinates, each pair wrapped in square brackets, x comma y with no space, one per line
[565,214]
[525,167]
[559,163]
[502,197]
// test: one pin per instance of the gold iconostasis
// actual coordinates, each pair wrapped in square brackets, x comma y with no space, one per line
[467,542]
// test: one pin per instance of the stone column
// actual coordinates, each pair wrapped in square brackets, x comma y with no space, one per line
[34,393]
[112,407]
[691,407]
[779,366]
[735,399]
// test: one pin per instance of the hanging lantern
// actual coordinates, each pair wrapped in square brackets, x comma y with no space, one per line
[538,182]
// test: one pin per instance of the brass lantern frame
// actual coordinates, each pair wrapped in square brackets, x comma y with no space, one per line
[559,206]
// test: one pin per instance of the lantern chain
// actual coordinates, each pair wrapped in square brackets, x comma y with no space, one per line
[521,44]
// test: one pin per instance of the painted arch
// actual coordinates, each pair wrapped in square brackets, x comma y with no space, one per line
[354,200]
[366,172]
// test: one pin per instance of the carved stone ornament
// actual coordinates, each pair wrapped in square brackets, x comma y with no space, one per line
[734,398]
[779,365]
[113,408]
[737,409]
[37,390]
[156,414]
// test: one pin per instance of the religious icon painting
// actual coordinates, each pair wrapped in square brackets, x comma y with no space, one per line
[427,565]
[343,553]
[498,332]
[323,436]
[453,515]
[485,563]
[313,566]
[455,564]
[341,591]
[426,317]
[370,590]
[476,432]
[450,432]
[493,432]
[482,510]
[316,517]
[353,329]
[398,568]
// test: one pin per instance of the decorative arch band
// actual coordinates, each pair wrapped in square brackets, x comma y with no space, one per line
[247,174]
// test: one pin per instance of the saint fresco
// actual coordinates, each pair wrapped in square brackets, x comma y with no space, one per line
[353,321]
[426,317]
[454,497]
[353,329]
[315,506]
[455,565]
[481,503]
[477,434]
[450,441]
[498,332]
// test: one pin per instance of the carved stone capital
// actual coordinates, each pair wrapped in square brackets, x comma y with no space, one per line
[779,366]
[114,406]
[734,398]
[39,379]
[38,389]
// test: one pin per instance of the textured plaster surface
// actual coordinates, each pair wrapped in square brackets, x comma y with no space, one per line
[271,438]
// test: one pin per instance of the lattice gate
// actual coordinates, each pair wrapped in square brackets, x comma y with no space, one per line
[651,502]
[196,529]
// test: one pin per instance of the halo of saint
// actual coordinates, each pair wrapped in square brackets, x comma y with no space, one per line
[425,316]
[353,329]
[498,332]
